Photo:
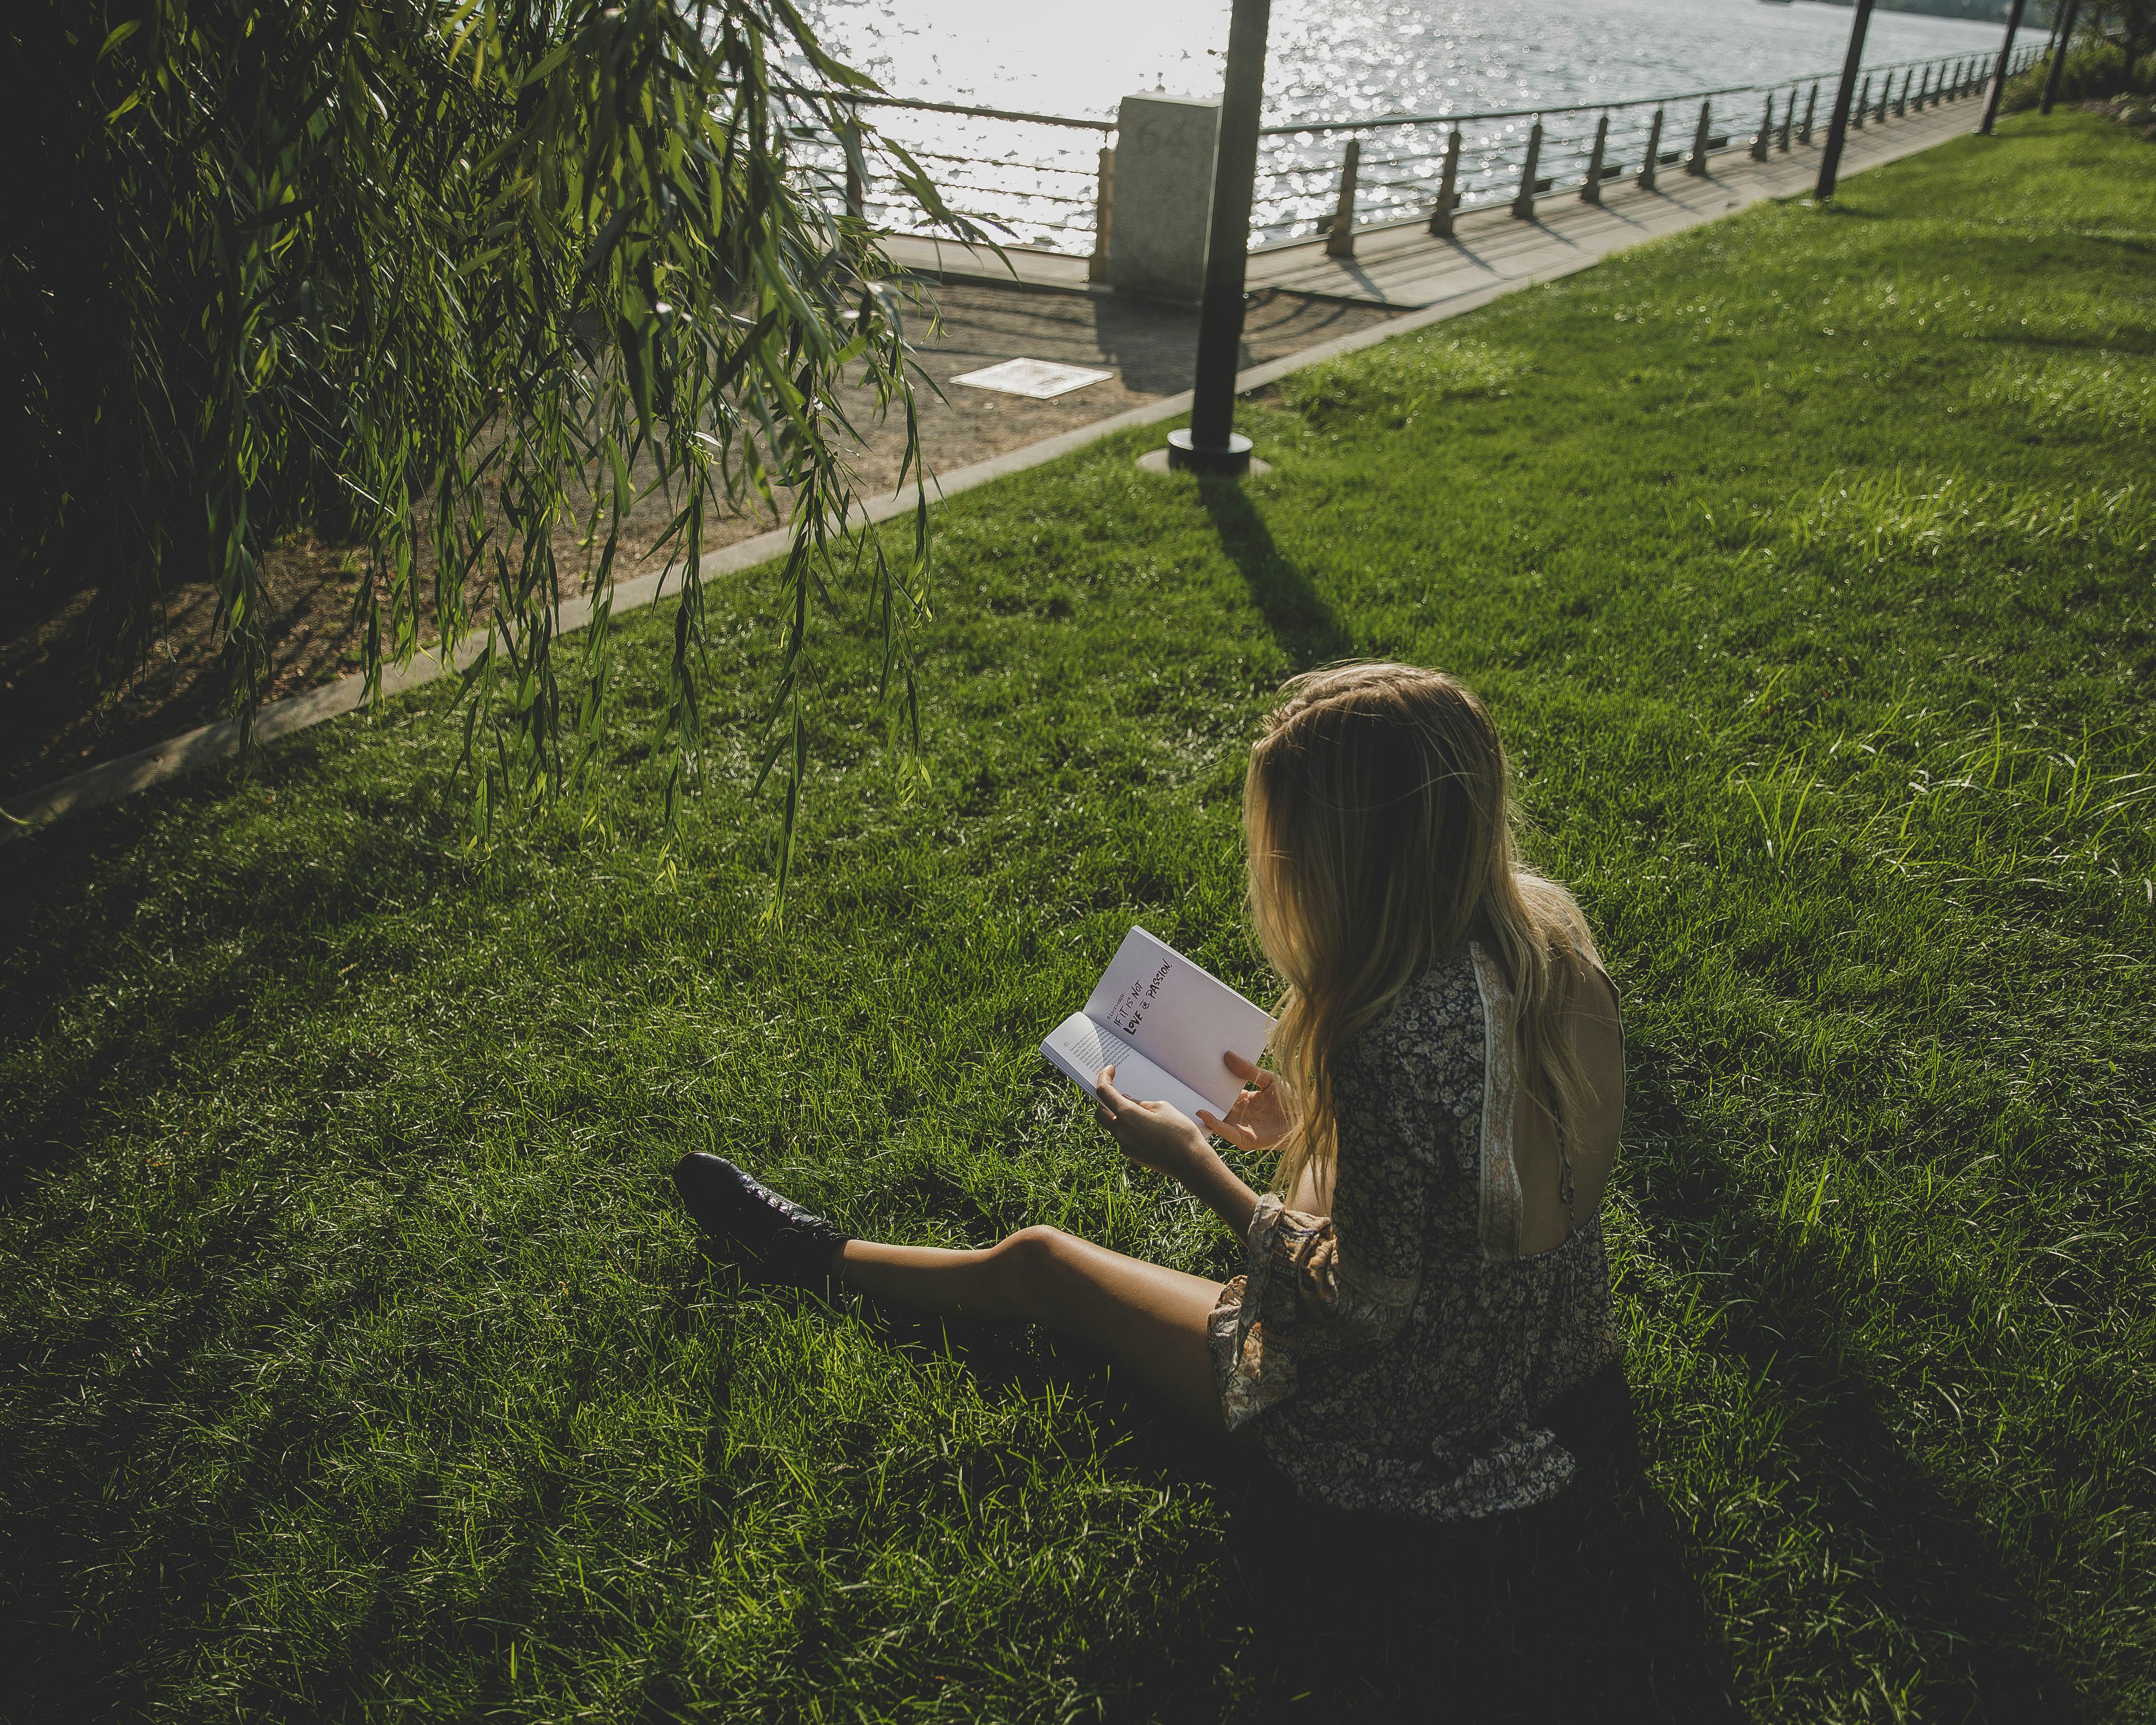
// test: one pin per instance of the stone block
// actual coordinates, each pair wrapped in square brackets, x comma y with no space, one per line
[1163,209]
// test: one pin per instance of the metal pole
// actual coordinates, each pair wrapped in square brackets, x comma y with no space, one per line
[1340,235]
[1788,119]
[1765,136]
[1440,218]
[2059,59]
[1654,150]
[1811,103]
[1837,128]
[1863,104]
[1886,95]
[1523,206]
[1591,192]
[1999,75]
[1212,444]
[1695,163]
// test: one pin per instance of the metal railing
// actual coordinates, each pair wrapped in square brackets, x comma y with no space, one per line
[1029,182]
[1346,175]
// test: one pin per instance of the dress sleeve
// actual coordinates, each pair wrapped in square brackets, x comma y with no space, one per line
[1321,1286]
[1357,1271]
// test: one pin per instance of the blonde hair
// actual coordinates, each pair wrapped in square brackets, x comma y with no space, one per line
[1380,824]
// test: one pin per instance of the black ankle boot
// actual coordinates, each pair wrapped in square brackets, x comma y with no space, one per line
[787,1243]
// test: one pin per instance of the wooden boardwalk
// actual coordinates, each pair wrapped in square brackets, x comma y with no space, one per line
[1400,265]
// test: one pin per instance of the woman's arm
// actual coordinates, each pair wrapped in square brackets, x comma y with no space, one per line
[1355,1274]
[1158,1136]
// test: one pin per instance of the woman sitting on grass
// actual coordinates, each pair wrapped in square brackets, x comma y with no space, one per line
[1428,1274]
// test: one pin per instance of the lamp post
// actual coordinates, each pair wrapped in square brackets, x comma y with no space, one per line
[1212,444]
[1998,72]
[1843,97]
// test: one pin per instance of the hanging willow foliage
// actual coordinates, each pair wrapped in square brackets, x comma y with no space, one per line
[420,272]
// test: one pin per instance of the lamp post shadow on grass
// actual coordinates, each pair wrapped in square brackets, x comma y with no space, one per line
[1308,630]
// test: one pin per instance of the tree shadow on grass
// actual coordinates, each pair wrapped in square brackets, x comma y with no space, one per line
[1307,629]
[1926,1565]
[1585,1605]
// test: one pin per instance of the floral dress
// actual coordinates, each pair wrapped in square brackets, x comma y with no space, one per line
[1394,1355]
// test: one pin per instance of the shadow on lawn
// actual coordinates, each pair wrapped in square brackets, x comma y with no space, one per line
[1586,1606]
[1933,1571]
[1308,630]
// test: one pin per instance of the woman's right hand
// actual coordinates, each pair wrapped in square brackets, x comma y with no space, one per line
[1261,1115]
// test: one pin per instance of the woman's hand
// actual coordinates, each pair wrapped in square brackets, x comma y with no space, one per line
[1261,1115]
[1152,1134]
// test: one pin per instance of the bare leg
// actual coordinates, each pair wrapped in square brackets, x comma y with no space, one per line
[1150,1318]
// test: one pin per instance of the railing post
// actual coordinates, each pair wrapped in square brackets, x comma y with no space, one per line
[1863,105]
[1788,119]
[1766,131]
[1811,103]
[1886,95]
[1340,237]
[1999,77]
[1646,181]
[1695,163]
[1923,89]
[1901,107]
[2059,57]
[1440,218]
[1523,206]
[1591,192]
[1104,216]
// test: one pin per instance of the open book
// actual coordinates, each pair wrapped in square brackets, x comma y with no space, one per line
[1163,1022]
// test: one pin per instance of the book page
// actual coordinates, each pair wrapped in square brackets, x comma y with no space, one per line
[1078,1048]
[1179,1018]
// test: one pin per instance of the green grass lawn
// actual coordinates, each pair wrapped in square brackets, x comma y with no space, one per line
[357,1362]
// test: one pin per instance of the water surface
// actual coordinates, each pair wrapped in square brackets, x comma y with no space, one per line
[1345,60]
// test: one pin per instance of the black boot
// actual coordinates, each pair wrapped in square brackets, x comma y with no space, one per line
[787,1243]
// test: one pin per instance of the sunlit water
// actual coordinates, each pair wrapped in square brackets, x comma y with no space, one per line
[1330,62]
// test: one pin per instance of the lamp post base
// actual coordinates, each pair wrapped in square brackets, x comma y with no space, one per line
[1183,456]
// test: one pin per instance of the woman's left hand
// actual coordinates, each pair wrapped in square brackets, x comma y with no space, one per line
[1152,1134]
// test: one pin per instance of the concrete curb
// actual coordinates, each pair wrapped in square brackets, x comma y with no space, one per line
[96,786]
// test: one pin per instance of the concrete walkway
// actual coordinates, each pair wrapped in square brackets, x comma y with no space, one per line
[1400,266]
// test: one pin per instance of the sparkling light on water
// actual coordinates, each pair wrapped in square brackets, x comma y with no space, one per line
[1326,62]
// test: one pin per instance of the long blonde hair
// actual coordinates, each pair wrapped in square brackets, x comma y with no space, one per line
[1380,821]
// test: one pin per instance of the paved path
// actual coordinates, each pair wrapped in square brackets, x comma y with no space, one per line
[1399,265]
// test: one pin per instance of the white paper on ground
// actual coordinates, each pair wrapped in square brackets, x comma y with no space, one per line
[1039,379]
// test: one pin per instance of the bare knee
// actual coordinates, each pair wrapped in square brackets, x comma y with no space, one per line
[1031,1263]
